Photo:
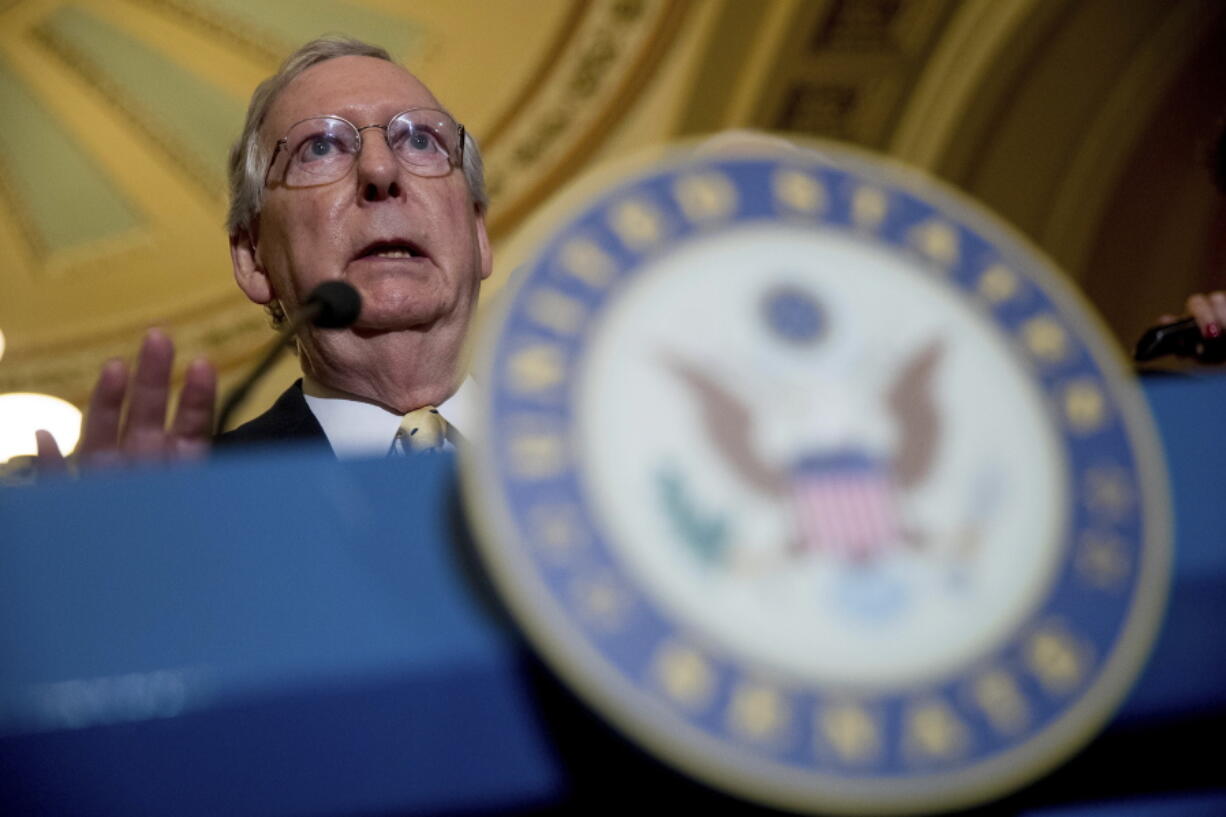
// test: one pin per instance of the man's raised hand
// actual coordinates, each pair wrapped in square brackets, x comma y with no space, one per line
[109,437]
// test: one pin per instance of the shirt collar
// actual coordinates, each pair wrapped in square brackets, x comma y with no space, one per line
[358,428]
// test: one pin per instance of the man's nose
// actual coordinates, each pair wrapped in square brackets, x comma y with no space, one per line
[378,169]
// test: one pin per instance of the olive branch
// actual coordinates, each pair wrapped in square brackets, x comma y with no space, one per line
[706,534]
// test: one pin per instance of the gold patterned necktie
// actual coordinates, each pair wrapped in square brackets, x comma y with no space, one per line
[422,429]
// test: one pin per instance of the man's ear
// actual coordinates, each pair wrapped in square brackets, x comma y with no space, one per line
[483,246]
[248,272]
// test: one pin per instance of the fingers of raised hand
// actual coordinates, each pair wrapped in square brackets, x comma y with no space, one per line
[100,426]
[109,437]
[144,431]
[50,460]
[193,424]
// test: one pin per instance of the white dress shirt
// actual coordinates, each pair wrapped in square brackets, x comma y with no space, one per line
[356,428]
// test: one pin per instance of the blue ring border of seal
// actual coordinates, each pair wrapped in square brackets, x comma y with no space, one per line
[1113,634]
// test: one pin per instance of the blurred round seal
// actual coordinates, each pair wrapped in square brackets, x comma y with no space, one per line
[817,480]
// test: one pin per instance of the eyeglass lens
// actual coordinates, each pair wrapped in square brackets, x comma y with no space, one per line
[324,148]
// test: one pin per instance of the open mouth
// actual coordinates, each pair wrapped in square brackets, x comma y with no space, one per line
[391,249]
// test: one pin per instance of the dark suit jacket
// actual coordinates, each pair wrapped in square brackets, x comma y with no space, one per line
[288,421]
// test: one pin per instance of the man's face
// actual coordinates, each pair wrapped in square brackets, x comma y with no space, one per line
[358,227]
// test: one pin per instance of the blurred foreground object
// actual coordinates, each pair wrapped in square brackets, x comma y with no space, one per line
[818,481]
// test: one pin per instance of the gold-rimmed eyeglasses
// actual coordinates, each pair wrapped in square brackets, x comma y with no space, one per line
[322,149]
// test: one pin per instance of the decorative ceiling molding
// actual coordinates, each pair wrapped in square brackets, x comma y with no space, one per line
[228,337]
[855,68]
[610,55]
[840,69]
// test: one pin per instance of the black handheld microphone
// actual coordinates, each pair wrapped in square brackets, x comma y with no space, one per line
[332,305]
[1181,338]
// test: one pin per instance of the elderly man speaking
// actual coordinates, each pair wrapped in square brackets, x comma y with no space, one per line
[347,168]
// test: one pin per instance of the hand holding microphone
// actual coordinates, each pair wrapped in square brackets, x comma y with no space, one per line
[1200,336]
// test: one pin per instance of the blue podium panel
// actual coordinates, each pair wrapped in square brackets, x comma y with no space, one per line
[1186,673]
[267,635]
[1205,804]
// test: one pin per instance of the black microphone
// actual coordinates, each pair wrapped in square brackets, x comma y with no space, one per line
[331,305]
[1181,338]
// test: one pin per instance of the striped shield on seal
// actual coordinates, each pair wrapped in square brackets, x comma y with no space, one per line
[845,505]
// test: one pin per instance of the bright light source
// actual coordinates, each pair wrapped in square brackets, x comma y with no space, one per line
[21,414]
[1,344]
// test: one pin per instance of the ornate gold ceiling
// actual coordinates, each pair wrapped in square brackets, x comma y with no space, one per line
[121,112]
